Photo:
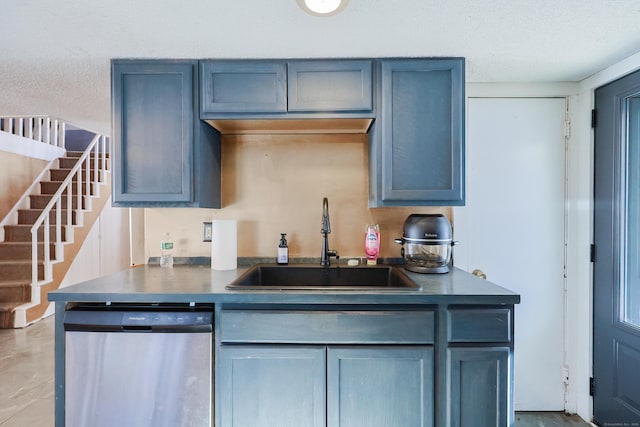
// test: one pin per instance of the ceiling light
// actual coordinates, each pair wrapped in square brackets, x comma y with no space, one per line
[322,7]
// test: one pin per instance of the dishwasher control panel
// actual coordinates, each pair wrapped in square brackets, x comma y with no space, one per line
[160,320]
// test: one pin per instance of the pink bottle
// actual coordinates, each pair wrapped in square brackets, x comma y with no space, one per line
[372,243]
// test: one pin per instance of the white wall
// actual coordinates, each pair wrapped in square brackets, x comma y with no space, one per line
[579,210]
[105,250]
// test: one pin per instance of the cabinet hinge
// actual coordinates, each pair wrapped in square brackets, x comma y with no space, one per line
[592,386]
[594,117]
[593,253]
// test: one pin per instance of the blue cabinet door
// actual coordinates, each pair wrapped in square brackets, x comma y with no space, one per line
[242,87]
[163,154]
[330,85]
[271,385]
[417,145]
[479,388]
[380,386]
[152,131]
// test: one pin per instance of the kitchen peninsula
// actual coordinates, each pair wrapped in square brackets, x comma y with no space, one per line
[438,354]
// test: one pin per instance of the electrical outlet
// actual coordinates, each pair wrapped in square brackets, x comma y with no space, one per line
[206,232]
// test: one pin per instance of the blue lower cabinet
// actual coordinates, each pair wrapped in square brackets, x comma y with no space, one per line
[380,386]
[279,385]
[271,385]
[479,386]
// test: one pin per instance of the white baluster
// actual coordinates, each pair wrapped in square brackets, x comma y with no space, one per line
[47,243]
[63,128]
[30,128]
[7,124]
[47,130]
[36,129]
[87,166]
[58,239]
[79,189]
[55,135]
[35,291]
[96,173]
[103,155]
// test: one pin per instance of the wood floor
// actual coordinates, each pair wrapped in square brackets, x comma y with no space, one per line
[26,376]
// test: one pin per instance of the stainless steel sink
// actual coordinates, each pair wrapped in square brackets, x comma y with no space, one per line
[314,277]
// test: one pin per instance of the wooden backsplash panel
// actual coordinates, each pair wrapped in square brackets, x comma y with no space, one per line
[274,184]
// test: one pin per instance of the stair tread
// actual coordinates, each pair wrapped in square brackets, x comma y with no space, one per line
[18,261]
[60,182]
[36,210]
[8,283]
[26,225]
[17,243]
[21,243]
[49,196]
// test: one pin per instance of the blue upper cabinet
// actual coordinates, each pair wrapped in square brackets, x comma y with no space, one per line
[262,89]
[330,85]
[417,142]
[163,155]
[243,87]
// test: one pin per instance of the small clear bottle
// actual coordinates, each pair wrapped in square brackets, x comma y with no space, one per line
[166,251]
[283,250]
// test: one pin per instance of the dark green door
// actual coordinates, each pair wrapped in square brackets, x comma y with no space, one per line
[616,281]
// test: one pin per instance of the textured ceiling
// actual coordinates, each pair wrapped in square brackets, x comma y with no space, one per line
[54,55]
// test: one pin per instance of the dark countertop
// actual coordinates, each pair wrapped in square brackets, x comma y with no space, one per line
[201,284]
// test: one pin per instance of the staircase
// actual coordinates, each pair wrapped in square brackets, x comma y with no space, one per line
[46,228]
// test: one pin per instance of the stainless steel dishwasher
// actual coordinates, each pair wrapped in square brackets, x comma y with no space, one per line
[138,366]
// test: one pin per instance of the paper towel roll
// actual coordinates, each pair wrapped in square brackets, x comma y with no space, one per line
[224,244]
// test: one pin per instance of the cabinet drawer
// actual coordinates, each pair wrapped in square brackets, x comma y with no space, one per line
[327,327]
[242,87]
[480,325]
[315,86]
